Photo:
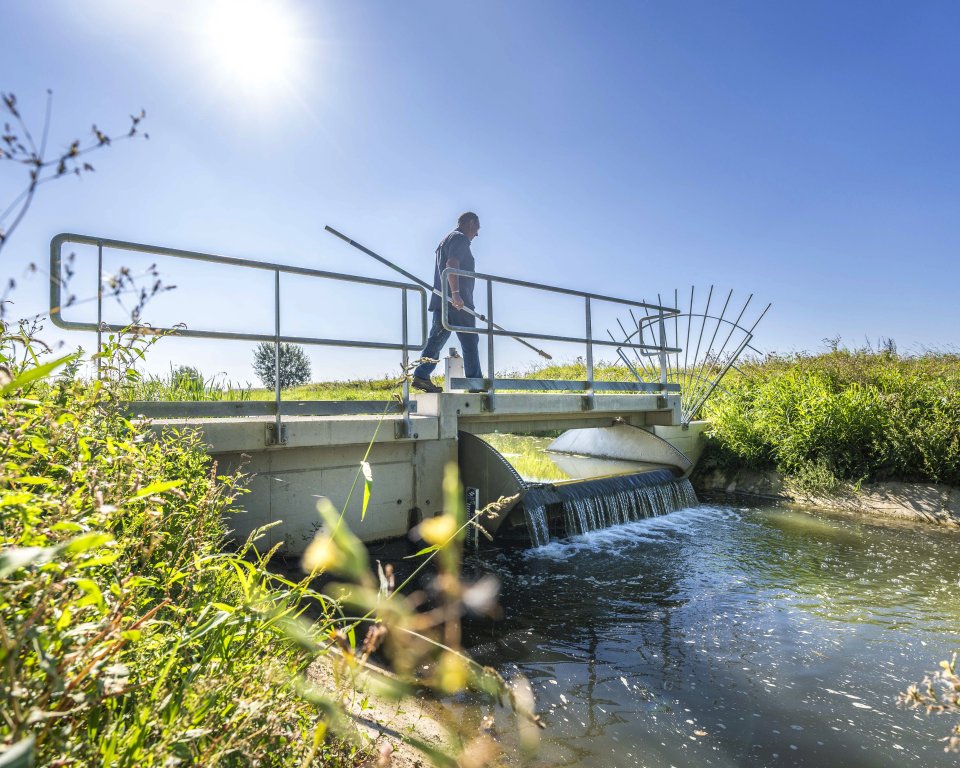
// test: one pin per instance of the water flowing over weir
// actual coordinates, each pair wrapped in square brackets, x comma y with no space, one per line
[559,495]
[571,509]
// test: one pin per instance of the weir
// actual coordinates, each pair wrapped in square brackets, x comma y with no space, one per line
[557,511]
[624,447]
[633,488]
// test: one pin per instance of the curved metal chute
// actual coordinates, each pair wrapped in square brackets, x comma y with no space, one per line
[484,468]
[622,442]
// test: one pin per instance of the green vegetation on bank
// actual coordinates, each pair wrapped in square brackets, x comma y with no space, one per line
[175,386]
[131,635]
[841,417]
[128,635]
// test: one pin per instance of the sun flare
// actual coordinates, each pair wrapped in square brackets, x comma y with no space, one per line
[255,45]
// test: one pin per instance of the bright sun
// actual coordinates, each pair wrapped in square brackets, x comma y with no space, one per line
[255,44]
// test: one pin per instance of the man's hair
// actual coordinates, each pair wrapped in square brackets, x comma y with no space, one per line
[467,217]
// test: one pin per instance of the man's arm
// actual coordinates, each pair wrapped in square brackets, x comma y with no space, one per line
[458,250]
[454,282]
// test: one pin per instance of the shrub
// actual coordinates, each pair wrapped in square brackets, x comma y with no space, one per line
[130,637]
[294,365]
[842,416]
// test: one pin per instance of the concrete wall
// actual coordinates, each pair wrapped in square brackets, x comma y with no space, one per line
[689,440]
[286,484]
[322,457]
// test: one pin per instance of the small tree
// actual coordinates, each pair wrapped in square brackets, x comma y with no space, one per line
[186,376]
[294,365]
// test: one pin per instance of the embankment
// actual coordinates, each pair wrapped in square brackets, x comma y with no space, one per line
[929,502]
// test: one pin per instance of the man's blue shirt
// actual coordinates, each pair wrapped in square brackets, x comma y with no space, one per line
[455,245]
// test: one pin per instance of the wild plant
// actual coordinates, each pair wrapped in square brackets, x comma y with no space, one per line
[938,693]
[19,148]
[128,635]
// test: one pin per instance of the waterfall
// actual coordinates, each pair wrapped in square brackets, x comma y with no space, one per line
[571,509]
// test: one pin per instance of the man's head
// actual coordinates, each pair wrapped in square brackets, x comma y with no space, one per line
[469,224]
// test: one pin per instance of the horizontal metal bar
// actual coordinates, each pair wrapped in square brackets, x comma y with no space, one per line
[549,337]
[69,237]
[149,330]
[563,385]
[667,311]
[167,409]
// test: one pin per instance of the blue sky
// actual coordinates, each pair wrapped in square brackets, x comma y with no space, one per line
[803,152]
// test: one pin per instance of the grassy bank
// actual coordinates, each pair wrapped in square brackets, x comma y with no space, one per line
[841,417]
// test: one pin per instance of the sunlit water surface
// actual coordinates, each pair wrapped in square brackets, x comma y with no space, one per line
[730,637]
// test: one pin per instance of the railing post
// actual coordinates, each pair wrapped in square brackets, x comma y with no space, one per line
[99,304]
[663,353]
[589,348]
[278,437]
[490,362]
[407,432]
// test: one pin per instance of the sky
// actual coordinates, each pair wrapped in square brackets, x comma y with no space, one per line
[802,152]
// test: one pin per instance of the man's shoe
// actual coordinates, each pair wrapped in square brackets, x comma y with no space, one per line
[425,385]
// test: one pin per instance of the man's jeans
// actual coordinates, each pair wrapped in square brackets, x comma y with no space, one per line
[438,337]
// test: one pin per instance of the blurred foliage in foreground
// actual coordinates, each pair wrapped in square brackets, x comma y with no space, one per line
[129,636]
[841,417]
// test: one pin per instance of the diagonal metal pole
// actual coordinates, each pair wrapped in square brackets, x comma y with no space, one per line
[734,326]
[627,337]
[626,361]
[736,354]
[429,287]
[730,363]
[676,332]
[706,312]
[665,372]
[688,417]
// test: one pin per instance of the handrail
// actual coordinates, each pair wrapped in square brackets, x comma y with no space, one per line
[56,306]
[662,313]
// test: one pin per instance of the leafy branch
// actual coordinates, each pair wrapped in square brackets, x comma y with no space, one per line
[18,146]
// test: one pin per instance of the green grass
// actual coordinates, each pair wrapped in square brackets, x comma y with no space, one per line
[172,387]
[358,389]
[129,636]
[840,417]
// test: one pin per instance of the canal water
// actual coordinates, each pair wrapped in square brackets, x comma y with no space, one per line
[729,636]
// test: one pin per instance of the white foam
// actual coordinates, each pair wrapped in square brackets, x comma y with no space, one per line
[649,530]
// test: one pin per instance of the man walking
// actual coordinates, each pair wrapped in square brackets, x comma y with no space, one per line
[453,251]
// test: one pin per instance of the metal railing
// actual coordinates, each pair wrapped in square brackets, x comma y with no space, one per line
[590,385]
[245,408]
